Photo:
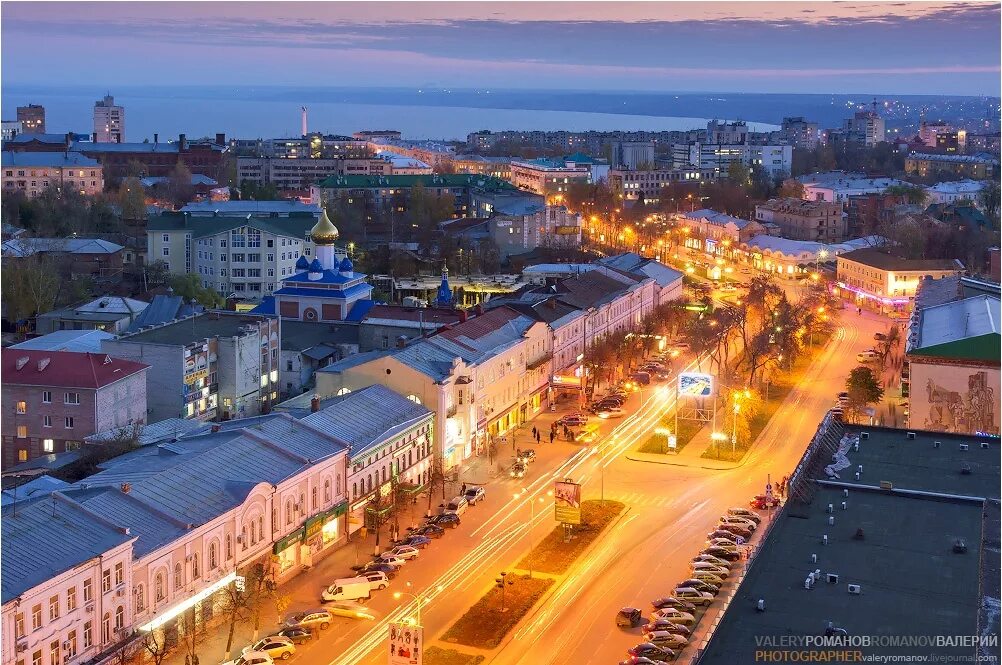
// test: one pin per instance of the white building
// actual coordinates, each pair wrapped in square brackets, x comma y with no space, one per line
[838,186]
[633,185]
[951,192]
[11,128]
[109,121]
[776,160]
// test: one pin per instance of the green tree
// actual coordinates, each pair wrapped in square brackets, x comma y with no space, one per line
[30,286]
[792,189]
[132,200]
[911,194]
[190,288]
[863,388]
[989,199]
[738,173]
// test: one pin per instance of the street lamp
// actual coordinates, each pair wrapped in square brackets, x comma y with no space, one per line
[532,508]
[717,437]
[418,599]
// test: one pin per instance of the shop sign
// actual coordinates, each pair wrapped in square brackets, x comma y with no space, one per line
[293,538]
[315,524]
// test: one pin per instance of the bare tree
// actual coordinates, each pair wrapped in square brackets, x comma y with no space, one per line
[154,644]
[30,286]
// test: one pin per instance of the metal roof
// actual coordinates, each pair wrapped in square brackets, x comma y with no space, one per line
[941,326]
[20,247]
[78,341]
[48,158]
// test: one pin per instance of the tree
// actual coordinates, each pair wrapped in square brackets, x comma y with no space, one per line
[863,388]
[30,286]
[179,187]
[913,195]
[738,173]
[190,288]
[436,479]
[154,643]
[989,199]
[132,200]
[792,189]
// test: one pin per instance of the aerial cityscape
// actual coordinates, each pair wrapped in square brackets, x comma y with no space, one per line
[501,333]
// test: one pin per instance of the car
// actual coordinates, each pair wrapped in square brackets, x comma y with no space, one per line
[311,619]
[672,601]
[708,577]
[391,559]
[736,529]
[725,553]
[716,539]
[429,531]
[474,494]
[751,525]
[665,624]
[526,456]
[706,567]
[404,552]
[745,513]
[648,650]
[879,337]
[377,579]
[447,520]
[867,357]
[762,502]
[695,596]
[607,403]
[675,616]
[698,585]
[351,610]
[628,617]
[275,646]
[252,658]
[710,559]
[611,412]
[517,470]
[641,660]
[573,420]
[376,566]
[419,542]
[666,639]
[298,635]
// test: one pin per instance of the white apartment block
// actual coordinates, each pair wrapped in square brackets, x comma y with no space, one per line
[301,173]
[109,121]
[647,184]
[37,172]
[838,186]
[951,192]
[548,177]
[776,160]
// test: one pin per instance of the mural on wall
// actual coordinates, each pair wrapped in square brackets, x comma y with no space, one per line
[972,410]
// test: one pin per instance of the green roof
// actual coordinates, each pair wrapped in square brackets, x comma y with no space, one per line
[296,225]
[407,181]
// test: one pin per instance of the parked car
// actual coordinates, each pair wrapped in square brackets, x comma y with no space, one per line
[526,456]
[736,529]
[751,525]
[275,646]
[628,617]
[672,601]
[298,634]
[348,588]
[377,579]
[641,660]
[391,560]
[429,531]
[573,420]
[447,520]
[648,650]
[252,658]
[665,624]
[351,610]
[667,640]
[707,567]
[745,513]
[723,539]
[698,585]
[695,595]
[708,577]
[517,470]
[404,552]
[419,542]
[725,553]
[611,412]
[712,560]
[311,619]
[475,494]
[675,616]
[378,566]
[762,502]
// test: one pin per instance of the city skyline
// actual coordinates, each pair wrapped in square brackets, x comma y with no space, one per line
[878,48]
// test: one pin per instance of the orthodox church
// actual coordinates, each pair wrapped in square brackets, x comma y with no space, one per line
[324,289]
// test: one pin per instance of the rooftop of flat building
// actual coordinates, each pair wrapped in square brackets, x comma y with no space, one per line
[182,332]
[885,260]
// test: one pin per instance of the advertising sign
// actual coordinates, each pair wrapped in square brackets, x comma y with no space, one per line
[691,384]
[567,502]
[406,642]
[196,366]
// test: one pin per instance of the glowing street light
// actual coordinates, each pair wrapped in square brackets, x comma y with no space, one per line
[532,518]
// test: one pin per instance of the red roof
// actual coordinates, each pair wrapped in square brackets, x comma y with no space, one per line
[480,325]
[64,368]
[433,316]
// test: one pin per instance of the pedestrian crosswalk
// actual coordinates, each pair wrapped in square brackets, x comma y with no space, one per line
[639,500]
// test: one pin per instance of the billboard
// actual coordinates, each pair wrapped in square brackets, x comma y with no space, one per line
[691,384]
[406,642]
[567,502]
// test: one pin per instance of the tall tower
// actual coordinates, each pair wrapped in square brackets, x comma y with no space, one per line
[32,118]
[304,122]
[109,121]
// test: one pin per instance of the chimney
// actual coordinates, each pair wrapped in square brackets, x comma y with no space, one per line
[182,143]
[216,428]
[126,488]
[401,341]
[156,138]
[479,309]
[93,137]
[315,404]
[220,139]
[462,316]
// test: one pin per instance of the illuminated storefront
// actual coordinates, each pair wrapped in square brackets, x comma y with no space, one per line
[309,542]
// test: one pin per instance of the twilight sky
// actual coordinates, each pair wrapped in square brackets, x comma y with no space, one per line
[891,47]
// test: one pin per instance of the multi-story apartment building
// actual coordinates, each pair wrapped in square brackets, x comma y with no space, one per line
[979,166]
[481,378]
[800,133]
[726,133]
[550,177]
[32,118]
[301,173]
[839,186]
[215,364]
[10,129]
[553,227]
[877,279]
[632,155]
[647,184]
[242,247]
[951,192]
[864,128]
[804,220]
[989,143]
[717,158]
[53,399]
[36,172]
[109,121]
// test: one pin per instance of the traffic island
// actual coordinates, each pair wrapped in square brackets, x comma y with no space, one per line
[657,444]
[439,656]
[555,554]
[486,623]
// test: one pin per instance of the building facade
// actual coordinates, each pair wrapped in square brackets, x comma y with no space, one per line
[801,133]
[32,118]
[646,185]
[978,166]
[548,177]
[36,172]
[879,280]
[804,220]
[109,121]
[53,399]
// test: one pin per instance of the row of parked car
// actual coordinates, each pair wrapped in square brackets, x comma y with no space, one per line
[669,626]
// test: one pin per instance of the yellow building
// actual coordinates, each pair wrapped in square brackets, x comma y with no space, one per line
[37,172]
[879,280]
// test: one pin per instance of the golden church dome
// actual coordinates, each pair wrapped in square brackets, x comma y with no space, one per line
[324,232]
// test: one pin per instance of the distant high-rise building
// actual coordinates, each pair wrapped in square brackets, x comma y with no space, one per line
[12,128]
[800,133]
[929,130]
[726,133]
[865,127]
[632,154]
[32,118]
[109,121]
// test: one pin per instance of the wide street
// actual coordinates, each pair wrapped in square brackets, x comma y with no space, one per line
[669,511]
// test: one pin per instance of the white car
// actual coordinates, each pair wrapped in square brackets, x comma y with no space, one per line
[275,646]
[745,513]
[714,560]
[663,638]
[675,616]
[377,579]
[712,569]
[252,658]
[740,521]
[394,561]
[404,552]
[867,357]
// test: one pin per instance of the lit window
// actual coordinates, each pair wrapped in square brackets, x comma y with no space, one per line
[22,407]
[48,446]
